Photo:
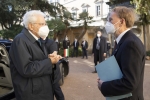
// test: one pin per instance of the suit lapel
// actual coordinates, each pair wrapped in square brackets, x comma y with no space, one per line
[32,39]
[120,42]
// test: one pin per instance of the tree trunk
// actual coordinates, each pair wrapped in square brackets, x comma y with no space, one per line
[84,30]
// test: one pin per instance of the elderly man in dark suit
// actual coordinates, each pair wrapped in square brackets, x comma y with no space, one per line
[99,48]
[129,53]
[75,48]
[30,64]
[84,45]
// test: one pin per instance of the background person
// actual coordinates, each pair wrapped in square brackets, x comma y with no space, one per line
[84,45]
[99,48]
[66,44]
[75,48]
[51,47]
[58,44]
[129,53]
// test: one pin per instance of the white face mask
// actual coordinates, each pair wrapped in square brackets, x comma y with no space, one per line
[56,40]
[98,35]
[66,39]
[76,40]
[43,31]
[110,28]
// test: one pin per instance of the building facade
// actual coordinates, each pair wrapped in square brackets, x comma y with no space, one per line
[98,9]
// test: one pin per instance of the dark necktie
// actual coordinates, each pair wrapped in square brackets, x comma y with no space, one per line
[42,45]
[115,45]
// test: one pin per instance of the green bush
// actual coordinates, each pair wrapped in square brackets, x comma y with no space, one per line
[148,53]
[11,32]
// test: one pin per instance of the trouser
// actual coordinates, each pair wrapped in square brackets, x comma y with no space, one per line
[75,50]
[84,52]
[58,92]
[96,58]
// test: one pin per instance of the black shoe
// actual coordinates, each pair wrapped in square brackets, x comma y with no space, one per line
[82,58]
[94,72]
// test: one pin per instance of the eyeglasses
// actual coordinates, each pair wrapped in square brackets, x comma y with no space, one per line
[41,24]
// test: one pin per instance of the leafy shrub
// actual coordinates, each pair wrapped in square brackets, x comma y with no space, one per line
[148,53]
[11,32]
[61,52]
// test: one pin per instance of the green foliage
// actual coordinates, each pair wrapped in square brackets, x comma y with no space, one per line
[12,11]
[12,32]
[67,15]
[83,15]
[148,53]
[143,9]
[61,52]
[55,25]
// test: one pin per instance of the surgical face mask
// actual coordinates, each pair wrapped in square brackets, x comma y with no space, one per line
[98,35]
[56,40]
[66,39]
[43,31]
[75,39]
[110,28]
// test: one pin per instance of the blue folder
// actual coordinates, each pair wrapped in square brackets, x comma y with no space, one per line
[109,70]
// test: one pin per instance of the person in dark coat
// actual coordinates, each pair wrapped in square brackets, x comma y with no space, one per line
[99,48]
[66,44]
[30,66]
[84,45]
[75,48]
[129,53]
[51,47]
[108,48]
[58,45]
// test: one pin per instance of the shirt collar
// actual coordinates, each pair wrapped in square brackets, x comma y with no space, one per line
[121,35]
[36,38]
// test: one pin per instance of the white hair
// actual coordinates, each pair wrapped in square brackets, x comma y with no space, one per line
[31,17]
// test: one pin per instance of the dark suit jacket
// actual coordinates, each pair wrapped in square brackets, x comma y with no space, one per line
[30,69]
[58,45]
[86,45]
[102,50]
[51,46]
[77,45]
[130,55]
[66,44]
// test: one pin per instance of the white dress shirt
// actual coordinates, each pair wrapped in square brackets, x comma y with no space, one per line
[36,38]
[121,35]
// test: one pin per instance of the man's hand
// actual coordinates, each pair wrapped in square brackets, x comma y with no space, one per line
[54,57]
[100,82]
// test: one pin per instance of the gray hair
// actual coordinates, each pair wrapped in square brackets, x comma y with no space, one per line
[31,17]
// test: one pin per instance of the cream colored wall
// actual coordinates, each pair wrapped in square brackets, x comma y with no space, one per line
[148,38]
[91,10]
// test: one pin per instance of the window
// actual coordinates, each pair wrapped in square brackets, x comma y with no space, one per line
[74,15]
[84,10]
[98,10]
